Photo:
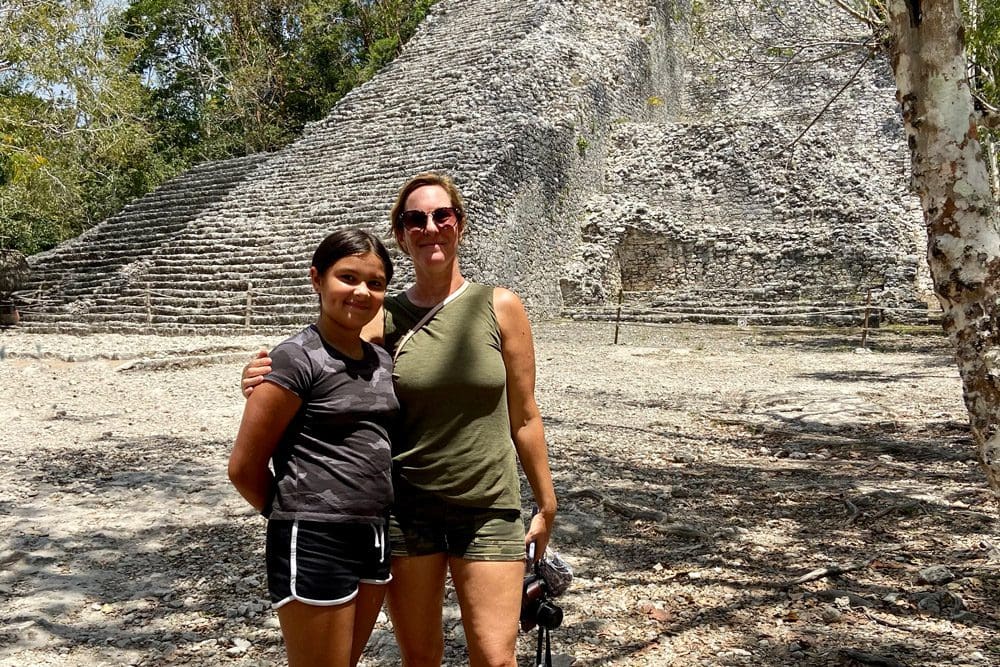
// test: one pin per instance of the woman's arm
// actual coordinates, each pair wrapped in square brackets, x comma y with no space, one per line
[525,419]
[259,366]
[267,414]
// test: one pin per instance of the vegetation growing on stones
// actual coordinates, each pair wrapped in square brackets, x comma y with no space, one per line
[13,271]
[100,103]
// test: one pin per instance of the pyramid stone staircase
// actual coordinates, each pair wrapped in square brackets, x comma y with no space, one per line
[595,152]
[492,92]
[103,271]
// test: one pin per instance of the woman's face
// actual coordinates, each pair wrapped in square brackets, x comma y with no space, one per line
[430,245]
[351,291]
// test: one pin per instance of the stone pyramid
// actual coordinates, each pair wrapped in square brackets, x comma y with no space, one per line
[604,148]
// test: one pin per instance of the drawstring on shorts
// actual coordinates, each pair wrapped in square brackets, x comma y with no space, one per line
[379,531]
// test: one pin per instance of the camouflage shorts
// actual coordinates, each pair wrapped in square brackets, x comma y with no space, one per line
[425,524]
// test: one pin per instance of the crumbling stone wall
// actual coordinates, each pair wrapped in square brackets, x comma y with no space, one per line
[739,193]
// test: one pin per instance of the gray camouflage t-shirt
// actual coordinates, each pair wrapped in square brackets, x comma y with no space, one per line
[334,461]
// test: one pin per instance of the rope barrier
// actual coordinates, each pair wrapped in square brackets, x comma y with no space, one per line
[653,310]
[235,296]
[246,304]
[257,309]
[852,288]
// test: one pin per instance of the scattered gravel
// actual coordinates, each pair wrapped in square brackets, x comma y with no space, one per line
[729,496]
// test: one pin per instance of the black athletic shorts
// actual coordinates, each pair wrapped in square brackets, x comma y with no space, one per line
[321,563]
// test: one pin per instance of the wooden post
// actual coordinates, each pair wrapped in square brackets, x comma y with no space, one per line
[149,311]
[246,322]
[618,317]
[864,326]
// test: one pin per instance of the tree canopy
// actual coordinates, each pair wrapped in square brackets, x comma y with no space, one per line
[99,105]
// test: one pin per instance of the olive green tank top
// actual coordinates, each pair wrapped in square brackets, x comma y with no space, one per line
[454,437]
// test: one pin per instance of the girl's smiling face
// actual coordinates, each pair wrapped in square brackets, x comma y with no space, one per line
[351,291]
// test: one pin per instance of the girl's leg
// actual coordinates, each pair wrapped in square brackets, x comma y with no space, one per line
[317,636]
[489,594]
[367,605]
[416,596]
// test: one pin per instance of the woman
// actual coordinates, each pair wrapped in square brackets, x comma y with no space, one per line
[322,419]
[465,379]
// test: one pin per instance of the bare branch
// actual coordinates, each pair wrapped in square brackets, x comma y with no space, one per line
[832,571]
[794,59]
[989,115]
[828,104]
[851,507]
[867,20]
[865,658]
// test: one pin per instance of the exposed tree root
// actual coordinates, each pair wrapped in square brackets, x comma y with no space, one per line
[660,519]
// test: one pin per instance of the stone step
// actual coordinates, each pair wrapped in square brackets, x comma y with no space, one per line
[805,319]
[845,314]
[165,323]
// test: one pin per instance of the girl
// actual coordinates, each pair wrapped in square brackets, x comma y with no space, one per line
[322,418]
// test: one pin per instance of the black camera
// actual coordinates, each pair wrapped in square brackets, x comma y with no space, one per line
[548,578]
[544,579]
[536,606]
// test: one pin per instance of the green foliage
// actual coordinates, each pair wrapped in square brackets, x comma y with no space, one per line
[983,46]
[982,35]
[342,45]
[99,106]
[74,146]
[178,52]
[231,77]
[780,51]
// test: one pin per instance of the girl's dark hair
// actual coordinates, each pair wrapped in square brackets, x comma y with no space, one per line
[347,242]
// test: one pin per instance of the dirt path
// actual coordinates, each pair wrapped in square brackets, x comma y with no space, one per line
[701,472]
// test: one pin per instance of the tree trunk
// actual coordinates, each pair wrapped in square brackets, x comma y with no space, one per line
[951,177]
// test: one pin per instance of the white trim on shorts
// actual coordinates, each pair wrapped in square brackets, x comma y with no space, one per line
[293,574]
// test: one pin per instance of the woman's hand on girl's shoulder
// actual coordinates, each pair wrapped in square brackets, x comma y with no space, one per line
[254,372]
[374,331]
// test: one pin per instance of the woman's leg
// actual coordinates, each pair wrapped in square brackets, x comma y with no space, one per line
[367,605]
[317,636]
[416,596]
[489,594]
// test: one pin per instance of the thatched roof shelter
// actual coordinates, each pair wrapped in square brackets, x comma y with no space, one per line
[14,271]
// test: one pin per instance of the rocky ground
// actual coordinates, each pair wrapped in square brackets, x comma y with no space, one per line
[728,496]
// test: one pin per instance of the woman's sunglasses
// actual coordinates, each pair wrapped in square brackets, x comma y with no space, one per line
[444,218]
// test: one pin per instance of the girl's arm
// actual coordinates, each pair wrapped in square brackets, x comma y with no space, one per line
[268,412]
[525,419]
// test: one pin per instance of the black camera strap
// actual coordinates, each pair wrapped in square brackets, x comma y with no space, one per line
[544,634]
